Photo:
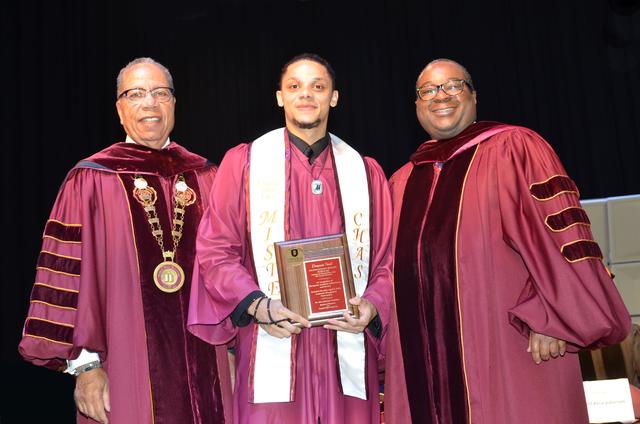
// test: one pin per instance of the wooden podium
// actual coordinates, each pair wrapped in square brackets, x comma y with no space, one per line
[315,277]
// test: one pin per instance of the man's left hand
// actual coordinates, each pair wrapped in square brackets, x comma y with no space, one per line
[543,348]
[352,325]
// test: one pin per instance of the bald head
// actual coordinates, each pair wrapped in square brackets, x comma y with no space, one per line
[467,75]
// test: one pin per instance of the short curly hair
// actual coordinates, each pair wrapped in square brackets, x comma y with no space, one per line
[314,58]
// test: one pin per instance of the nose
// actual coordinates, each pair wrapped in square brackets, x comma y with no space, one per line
[149,100]
[305,92]
[440,95]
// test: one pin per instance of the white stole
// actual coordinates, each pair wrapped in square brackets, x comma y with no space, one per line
[274,361]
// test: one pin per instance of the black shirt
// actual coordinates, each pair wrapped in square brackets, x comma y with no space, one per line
[310,151]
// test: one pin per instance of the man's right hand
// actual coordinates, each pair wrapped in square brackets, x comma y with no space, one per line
[544,348]
[92,395]
[278,311]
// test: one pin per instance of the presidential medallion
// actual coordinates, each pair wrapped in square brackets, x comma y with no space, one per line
[168,276]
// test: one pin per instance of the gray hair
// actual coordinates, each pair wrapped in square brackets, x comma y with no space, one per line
[467,75]
[139,61]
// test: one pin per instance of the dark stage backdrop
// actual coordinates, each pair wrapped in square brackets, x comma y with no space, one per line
[568,69]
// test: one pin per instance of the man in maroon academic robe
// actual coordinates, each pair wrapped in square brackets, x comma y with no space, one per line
[498,282]
[102,307]
[228,297]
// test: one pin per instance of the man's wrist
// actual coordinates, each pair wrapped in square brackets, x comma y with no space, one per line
[84,358]
[84,368]
[239,316]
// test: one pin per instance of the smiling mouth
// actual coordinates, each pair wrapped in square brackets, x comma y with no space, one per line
[444,111]
[150,119]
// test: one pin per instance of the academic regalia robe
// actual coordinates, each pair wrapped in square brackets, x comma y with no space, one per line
[227,276]
[490,243]
[94,289]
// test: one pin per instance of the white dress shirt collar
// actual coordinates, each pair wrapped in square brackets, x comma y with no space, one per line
[131,140]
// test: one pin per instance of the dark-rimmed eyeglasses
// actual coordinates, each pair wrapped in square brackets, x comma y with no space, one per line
[137,95]
[452,87]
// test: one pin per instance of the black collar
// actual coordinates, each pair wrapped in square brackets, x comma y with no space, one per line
[310,151]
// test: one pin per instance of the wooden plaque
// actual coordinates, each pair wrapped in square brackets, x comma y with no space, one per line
[315,277]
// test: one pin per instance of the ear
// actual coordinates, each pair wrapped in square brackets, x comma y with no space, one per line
[279,98]
[334,98]
[475,98]
[120,111]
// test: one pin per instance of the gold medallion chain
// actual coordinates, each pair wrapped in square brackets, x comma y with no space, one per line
[168,275]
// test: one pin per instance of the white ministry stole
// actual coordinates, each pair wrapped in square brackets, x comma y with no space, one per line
[274,361]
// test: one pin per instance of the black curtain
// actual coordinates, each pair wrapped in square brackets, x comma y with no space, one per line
[568,69]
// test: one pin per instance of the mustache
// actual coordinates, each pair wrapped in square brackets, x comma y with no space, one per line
[442,100]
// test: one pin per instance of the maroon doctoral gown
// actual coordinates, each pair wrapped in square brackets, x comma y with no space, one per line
[94,288]
[226,277]
[490,243]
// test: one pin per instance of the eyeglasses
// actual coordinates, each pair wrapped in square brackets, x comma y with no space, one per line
[452,87]
[138,95]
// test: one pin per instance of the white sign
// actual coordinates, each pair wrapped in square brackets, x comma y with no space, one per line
[609,400]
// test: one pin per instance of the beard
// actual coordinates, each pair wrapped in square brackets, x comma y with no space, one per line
[306,125]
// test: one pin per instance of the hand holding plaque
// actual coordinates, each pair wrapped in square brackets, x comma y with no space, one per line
[350,324]
[315,277]
[275,318]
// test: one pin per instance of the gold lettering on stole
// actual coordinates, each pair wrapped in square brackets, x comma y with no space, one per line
[274,289]
[271,268]
[358,233]
[269,256]
[267,220]
[267,217]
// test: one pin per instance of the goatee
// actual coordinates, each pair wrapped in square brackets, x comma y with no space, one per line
[306,125]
